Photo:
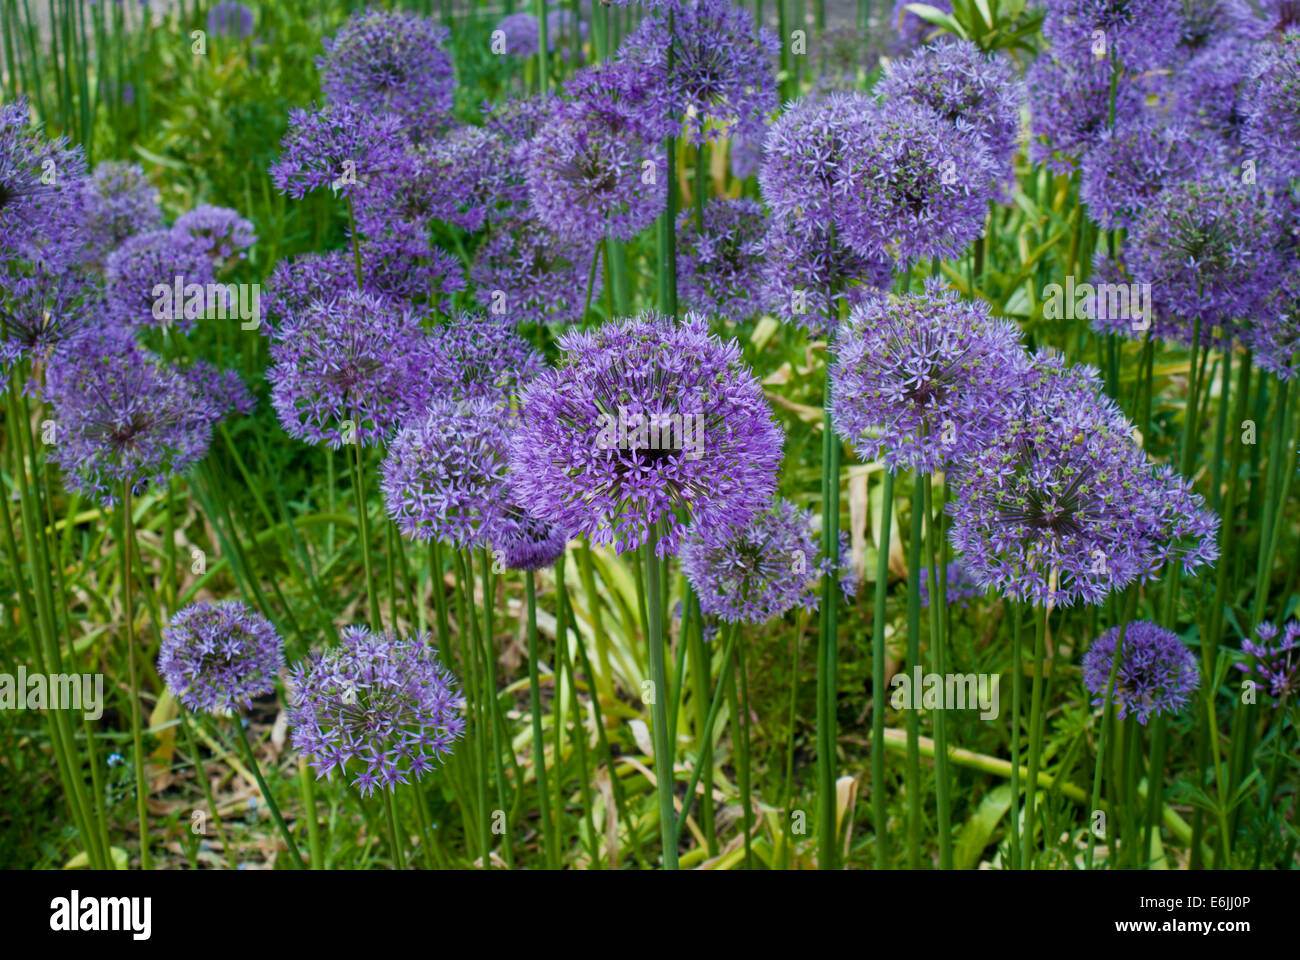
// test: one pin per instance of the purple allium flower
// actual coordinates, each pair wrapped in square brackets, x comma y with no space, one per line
[643,418]
[222,232]
[519,34]
[721,72]
[747,149]
[1208,89]
[1127,167]
[619,91]
[359,358]
[530,275]
[41,186]
[408,265]
[39,311]
[1139,34]
[587,171]
[803,158]
[146,261]
[1271,106]
[523,541]
[914,187]
[1211,248]
[1280,17]
[1070,106]
[296,282]
[910,31]
[1272,333]
[979,94]
[1157,673]
[517,120]
[342,146]
[922,380]
[479,357]
[1208,22]
[229,18]
[119,202]
[382,703]
[720,269]
[808,276]
[216,657]
[1063,506]
[394,63]
[1276,668]
[474,180]
[958,581]
[444,476]
[758,570]
[125,416]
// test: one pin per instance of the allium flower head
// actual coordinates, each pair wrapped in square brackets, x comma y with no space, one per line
[347,370]
[803,158]
[721,73]
[382,62]
[1157,673]
[586,173]
[523,541]
[216,657]
[644,418]
[1140,34]
[746,149]
[1275,667]
[1070,106]
[1063,506]
[1273,331]
[39,311]
[230,18]
[922,381]
[807,276]
[519,34]
[296,282]
[145,261]
[222,232]
[720,268]
[1208,90]
[762,568]
[977,93]
[1211,248]
[444,476]
[343,146]
[531,275]
[125,416]
[913,185]
[380,708]
[119,202]
[1271,105]
[479,357]
[41,187]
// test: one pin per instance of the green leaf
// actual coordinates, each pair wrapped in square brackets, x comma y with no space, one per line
[978,830]
[938,18]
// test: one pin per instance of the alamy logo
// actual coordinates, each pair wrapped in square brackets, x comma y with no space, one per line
[658,431]
[57,691]
[951,691]
[71,914]
[1101,301]
[195,301]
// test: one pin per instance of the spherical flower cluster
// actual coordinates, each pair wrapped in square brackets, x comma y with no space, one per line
[41,188]
[39,311]
[343,147]
[922,381]
[473,177]
[216,657]
[1271,106]
[643,418]
[1136,33]
[530,275]
[523,541]
[707,65]
[393,63]
[762,568]
[977,93]
[1273,332]
[1157,674]
[746,149]
[1063,506]
[1070,106]
[297,281]
[230,18]
[807,276]
[444,476]
[803,158]
[590,173]
[119,202]
[145,261]
[913,187]
[1275,668]
[1211,248]
[1208,90]
[1128,166]
[222,232]
[382,703]
[347,370]
[960,585]
[480,357]
[406,264]
[126,417]
[519,34]
[720,268]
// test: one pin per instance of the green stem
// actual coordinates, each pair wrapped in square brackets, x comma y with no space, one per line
[913,768]
[266,794]
[137,736]
[1035,731]
[659,705]
[878,674]
[539,743]
[937,603]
